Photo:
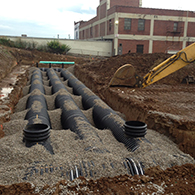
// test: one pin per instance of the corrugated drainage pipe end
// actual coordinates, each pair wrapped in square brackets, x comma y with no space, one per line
[135,129]
[36,133]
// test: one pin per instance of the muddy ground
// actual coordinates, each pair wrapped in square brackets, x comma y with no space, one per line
[166,107]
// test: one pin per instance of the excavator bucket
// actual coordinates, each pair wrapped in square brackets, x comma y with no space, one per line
[124,76]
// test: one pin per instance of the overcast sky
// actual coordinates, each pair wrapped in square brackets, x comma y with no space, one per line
[48,18]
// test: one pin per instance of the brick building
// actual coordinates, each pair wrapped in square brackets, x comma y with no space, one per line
[133,28]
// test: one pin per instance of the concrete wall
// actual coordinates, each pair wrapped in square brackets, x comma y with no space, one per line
[97,48]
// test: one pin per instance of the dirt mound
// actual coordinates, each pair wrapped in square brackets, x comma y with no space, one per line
[8,56]
[30,57]
[105,69]
[175,180]
[7,62]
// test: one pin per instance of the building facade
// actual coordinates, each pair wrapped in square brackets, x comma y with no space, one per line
[135,29]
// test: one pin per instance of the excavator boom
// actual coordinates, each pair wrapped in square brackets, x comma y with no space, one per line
[126,75]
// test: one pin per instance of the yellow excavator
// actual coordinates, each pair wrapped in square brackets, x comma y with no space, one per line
[126,75]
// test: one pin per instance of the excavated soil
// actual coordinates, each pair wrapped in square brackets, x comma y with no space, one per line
[166,107]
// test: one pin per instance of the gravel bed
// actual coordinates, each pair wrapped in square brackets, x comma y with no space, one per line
[98,154]
[46,82]
[22,104]
[48,90]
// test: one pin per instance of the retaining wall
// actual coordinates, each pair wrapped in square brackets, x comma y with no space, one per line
[97,48]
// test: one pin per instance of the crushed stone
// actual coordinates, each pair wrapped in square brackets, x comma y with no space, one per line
[94,154]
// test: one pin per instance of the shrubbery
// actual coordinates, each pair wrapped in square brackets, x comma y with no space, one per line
[6,42]
[42,48]
[52,46]
[56,47]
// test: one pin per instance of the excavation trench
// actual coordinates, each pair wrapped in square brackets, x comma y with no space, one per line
[137,104]
[73,156]
[81,146]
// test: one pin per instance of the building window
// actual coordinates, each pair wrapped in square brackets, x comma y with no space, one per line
[140,48]
[141,25]
[175,26]
[83,34]
[127,24]
[110,25]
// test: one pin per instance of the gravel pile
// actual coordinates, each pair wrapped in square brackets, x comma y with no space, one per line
[100,154]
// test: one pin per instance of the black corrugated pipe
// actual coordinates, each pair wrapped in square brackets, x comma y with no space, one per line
[36,81]
[32,98]
[38,110]
[36,76]
[72,81]
[38,127]
[76,85]
[55,82]
[135,128]
[70,113]
[88,97]
[72,117]
[37,103]
[34,133]
[37,84]
[104,117]
[66,74]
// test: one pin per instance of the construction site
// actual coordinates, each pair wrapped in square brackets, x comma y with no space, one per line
[63,127]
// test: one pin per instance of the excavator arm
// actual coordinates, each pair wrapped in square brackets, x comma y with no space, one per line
[126,76]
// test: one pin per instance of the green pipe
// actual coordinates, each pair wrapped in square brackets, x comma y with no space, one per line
[53,62]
